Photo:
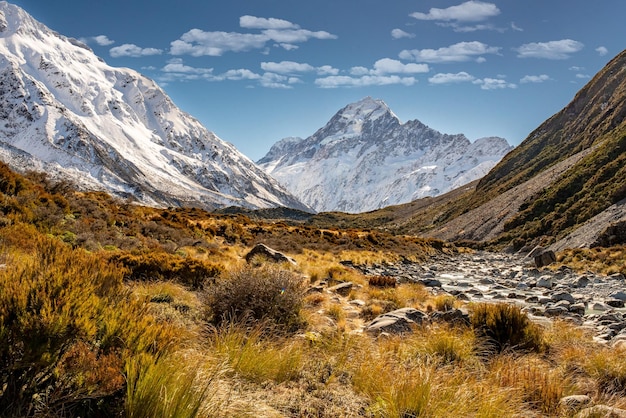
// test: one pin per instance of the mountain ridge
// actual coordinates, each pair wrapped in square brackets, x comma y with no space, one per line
[113,129]
[364,158]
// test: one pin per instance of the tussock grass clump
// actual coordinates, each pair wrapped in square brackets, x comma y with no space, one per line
[382,281]
[172,386]
[504,326]
[251,354]
[247,294]
[163,266]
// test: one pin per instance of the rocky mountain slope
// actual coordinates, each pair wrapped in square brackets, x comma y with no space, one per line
[565,185]
[68,113]
[364,158]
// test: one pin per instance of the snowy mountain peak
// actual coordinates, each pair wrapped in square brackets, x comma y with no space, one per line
[364,158]
[68,113]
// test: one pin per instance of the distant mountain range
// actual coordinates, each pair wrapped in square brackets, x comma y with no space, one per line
[69,114]
[563,186]
[364,158]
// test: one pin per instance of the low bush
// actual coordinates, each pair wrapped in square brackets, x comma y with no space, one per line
[505,326]
[382,281]
[265,293]
[170,267]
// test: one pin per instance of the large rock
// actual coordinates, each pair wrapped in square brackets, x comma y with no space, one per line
[545,258]
[269,253]
[396,322]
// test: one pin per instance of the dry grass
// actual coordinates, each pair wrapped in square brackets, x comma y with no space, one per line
[77,339]
[603,260]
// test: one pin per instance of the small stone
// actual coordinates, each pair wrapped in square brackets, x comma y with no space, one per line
[615,303]
[545,281]
[582,281]
[601,411]
[618,295]
[577,308]
[574,403]
[342,288]
[557,296]
[555,311]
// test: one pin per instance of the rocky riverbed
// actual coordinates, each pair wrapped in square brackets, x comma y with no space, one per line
[590,300]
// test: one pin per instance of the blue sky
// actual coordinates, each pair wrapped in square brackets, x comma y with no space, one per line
[255,71]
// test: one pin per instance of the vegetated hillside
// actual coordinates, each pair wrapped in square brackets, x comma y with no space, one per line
[568,171]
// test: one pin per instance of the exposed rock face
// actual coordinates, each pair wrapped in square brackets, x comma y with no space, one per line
[364,158]
[68,113]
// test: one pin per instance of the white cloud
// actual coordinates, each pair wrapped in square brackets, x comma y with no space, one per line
[494,84]
[101,40]
[291,67]
[449,78]
[132,50]
[176,65]
[359,71]
[460,52]
[534,78]
[556,50]
[390,66]
[238,74]
[253,22]
[387,66]
[327,70]
[364,81]
[295,35]
[576,68]
[286,67]
[602,51]
[288,47]
[516,28]
[275,81]
[399,33]
[197,42]
[470,11]
[583,76]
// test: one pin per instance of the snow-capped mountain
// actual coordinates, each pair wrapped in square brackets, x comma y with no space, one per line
[66,112]
[365,159]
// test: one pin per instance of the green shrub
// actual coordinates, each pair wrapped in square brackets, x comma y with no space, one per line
[505,326]
[266,293]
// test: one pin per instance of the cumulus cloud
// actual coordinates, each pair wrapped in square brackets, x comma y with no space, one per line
[237,74]
[363,81]
[176,65]
[132,50]
[291,67]
[285,34]
[399,33]
[450,78]
[460,52]
[494,84]
[391,66]
[534,78]
[253,22]
[276,81]
[555,50]
[286,67]
[602,51]
[101,40]
[470,11]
